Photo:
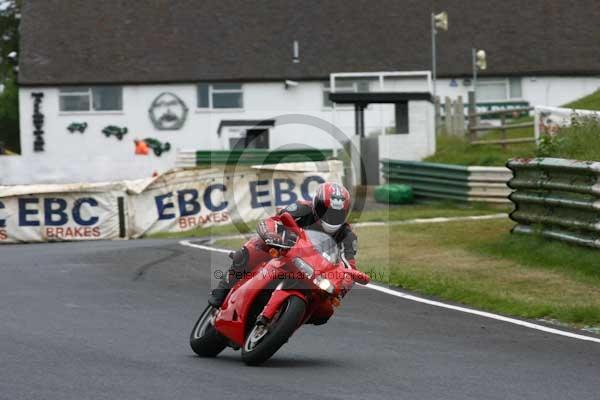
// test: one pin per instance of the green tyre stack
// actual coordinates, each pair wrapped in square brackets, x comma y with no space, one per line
[394,194]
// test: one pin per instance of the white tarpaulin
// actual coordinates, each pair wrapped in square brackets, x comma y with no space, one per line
[61,216]
[177,201]
[189,199]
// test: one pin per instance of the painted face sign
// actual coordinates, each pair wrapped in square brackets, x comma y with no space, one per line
[168,112]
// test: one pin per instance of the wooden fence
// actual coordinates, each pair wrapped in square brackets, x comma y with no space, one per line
[453,122]
[474,126]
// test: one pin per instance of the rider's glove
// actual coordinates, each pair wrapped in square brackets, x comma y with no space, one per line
[352,263]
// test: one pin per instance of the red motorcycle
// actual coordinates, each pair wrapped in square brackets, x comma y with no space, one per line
[301,283]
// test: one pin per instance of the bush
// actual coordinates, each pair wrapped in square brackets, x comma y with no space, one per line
[580,141]
[9,116]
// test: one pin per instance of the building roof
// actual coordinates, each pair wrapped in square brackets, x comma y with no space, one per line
[153,41]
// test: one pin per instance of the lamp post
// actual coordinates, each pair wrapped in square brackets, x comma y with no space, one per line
[438,21]
[479,63]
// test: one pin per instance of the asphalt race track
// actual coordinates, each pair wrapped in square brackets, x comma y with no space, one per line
[110,320]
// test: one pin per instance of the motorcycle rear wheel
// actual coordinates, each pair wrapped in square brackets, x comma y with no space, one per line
[204,339]
[260,346]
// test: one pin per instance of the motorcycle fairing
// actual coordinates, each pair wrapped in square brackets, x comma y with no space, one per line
[234,313]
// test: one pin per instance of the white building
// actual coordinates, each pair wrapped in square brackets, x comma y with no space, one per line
[224,75]
[211,116]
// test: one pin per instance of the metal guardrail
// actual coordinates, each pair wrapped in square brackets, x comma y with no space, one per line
[191,158]
[455,182]
[557,198]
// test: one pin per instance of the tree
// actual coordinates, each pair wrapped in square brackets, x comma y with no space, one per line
[10,17]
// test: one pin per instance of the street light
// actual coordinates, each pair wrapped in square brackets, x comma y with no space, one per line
[479,63]
[438,21]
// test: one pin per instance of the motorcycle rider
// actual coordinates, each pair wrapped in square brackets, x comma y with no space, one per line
[327,212]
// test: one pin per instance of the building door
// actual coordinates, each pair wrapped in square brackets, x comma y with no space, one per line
[257,139]
[369,149]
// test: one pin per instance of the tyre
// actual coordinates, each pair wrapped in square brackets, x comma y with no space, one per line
[263,341]
[204,339]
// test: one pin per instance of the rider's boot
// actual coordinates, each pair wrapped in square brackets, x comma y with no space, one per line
[218,295]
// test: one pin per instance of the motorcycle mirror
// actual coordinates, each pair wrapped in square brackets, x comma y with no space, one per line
[290,222]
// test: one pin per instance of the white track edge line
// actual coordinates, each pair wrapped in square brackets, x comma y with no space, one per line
[482,314]
[435,220]
[202,247]
[434,303]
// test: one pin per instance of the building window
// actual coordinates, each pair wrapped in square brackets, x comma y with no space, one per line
[98,98]
[220,96]
[499,89]
[344,86]
[515,88]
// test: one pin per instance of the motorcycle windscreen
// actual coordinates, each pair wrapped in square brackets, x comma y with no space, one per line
[324,245]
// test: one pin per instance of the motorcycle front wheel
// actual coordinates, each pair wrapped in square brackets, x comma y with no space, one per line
[264,340]
[204,339]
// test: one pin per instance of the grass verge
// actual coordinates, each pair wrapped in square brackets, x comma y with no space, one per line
[456,150]
[590,102]
[478,263]
[371,212]
[430,209]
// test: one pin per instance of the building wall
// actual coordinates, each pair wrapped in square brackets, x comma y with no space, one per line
[74,157]
[542,90]
[557,91]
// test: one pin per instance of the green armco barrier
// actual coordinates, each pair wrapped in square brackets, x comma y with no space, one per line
[445,181]
[557,198]
[556,164]
[395,168]
[394,194]
[259,156]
